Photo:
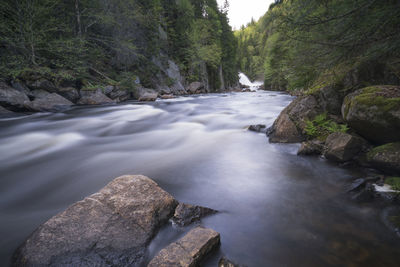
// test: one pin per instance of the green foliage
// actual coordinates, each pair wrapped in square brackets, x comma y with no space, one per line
[320,127]
[394,182]
[300,42]
[102,40]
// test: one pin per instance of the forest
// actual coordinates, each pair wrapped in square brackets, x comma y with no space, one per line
[102,42]
[305,44]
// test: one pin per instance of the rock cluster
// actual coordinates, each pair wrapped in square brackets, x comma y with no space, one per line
[372,113]
[114,227]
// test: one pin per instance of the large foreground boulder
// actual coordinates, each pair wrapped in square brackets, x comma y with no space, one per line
[342,147]
[109,228]
[11,98]
[385,158]
[94,97]
[289,126]
[374,112]
[189,250]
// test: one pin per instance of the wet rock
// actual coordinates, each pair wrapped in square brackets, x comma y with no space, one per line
[188,251]
[186,214]
[69,93]
[196,88]
[167,96]
[289,126]
[45,101]
[365,194]
[21,87]
[284,130]
[109,228]
[258,128]
[224,262]
[11,98]
[385,158]
[119,95]
[342,147]
[93,97]
[108,89]
[313,147]
[144,94]
[360,183]
[374,113]
[4,111]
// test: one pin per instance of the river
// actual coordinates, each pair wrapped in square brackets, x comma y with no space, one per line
[276,208]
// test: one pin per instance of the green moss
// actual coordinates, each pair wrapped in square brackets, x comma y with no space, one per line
[394,182]
[386,148]
[370,97]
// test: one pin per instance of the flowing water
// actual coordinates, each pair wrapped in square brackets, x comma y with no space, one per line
[277,209]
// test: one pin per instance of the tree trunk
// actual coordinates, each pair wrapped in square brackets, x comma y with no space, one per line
[78,18]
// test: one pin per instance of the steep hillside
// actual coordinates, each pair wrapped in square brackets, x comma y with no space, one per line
[89,44]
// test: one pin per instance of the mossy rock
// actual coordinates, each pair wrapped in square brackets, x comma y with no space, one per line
[385,158]
[394,182]
[374,112]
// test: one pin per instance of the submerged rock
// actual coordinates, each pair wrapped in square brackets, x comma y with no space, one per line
[188,251]
[186,214]
[385,158]
[11,98]
[4,111]
[313,147]
[109,228]
[258,128]
[224,262]
[374,112]
[342,147]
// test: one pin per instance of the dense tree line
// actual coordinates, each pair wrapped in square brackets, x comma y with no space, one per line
[300,44]
[117,40]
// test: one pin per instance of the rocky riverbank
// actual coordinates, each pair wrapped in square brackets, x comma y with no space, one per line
[114,228]
[361,127]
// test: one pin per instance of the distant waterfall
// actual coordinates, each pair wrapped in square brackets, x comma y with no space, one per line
[243,79]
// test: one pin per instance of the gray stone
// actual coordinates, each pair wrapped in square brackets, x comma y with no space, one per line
[224,262]
[330,99]
[188,251]
[69,93]
[45,101]
[313,147]
[342,147]
[119,95]
[21,87]
[186,214]
[374,113]
[385,158]
[290,125]
[93,97]
[258,128]
[4,111]
[144,94]
[196,88]
[11,98]
[109,228]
